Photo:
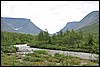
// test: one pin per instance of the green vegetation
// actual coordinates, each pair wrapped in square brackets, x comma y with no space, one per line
[70,40]
[93,28]
[9,49]
[43,59]
[86,39]
[41,52]
[8,39]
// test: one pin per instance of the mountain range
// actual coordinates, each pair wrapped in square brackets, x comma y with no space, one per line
[22,25]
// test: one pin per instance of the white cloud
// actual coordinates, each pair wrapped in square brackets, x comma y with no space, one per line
[52,15]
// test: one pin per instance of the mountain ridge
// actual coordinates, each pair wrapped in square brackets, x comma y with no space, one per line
[20,25]
[24,25]
[87,20]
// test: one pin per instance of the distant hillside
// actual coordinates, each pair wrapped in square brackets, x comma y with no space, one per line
[6,27]
[19,25]
[93,27]
[88,20]
[70,26]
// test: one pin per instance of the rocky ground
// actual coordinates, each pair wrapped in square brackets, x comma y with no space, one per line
[24,49]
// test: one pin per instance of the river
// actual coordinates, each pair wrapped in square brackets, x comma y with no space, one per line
[24,49]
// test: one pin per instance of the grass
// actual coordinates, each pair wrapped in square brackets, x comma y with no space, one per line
[44,59]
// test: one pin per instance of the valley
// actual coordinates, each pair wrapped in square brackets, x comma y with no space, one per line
[25,44]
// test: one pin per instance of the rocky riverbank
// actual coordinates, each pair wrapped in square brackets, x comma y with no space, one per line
[24,49]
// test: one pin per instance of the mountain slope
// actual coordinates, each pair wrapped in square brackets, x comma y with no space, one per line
[6,27]
[70,25]
[86,21]
[93,27]
[19,25]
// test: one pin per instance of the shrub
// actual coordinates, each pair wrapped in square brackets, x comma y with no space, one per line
[9,49]
[53,60]
[59,55]
[41,52]
[64,63]
[30,54]
[52,64]
[27,58]
[33,59]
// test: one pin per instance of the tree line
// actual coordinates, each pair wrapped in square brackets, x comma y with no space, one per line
[69,40]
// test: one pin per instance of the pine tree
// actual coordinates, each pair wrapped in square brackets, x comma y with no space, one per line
[46,36]
[53,38]
[40,36]
[61,33]
[90,39]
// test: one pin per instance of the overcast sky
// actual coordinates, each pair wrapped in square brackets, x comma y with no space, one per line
[50,15]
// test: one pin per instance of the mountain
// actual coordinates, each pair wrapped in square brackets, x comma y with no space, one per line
[19,25]
[70,25]
[93,27]
[6,27]
[88,20]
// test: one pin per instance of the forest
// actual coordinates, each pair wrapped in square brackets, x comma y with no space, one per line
[69,41]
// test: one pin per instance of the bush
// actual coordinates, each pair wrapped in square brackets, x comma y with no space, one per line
[27,58]
[41,52]
[63,48]
[59,55]
[64,63]
[9,49]
[38,59]
[34,59]
[52,64]
[52,59]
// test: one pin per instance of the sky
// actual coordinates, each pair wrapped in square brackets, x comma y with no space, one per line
[50,15]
